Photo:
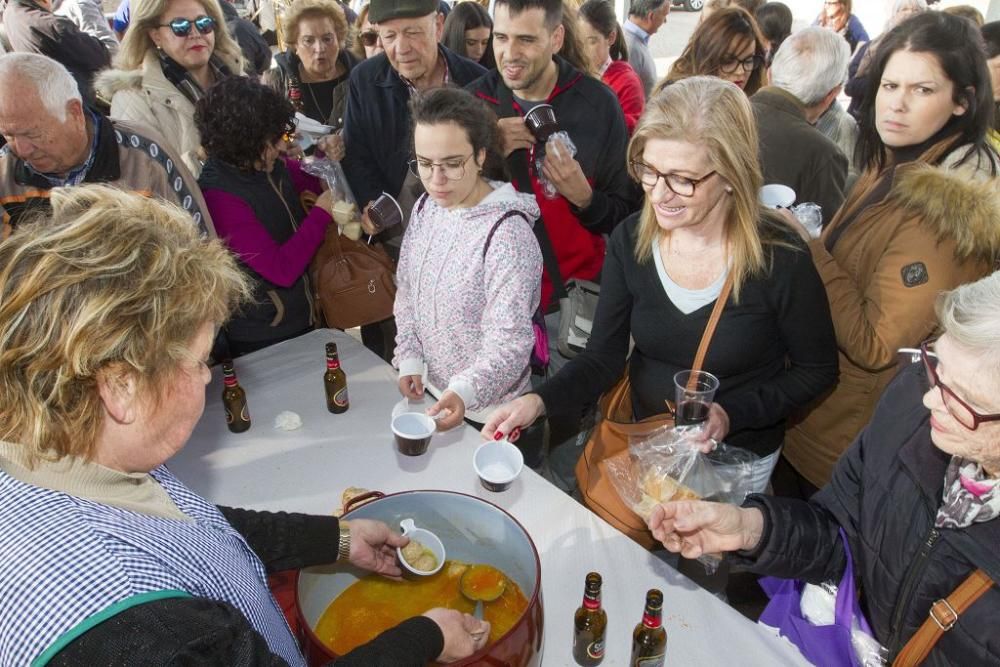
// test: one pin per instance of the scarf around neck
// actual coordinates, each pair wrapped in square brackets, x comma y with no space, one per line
[970,496]
[182,79]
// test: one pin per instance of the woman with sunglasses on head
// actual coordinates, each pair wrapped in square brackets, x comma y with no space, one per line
[701,234]
[253,194]
[923,217]
[313,72]
[470,269]
[917,498]
[729,45]
[837,16]
[173,52]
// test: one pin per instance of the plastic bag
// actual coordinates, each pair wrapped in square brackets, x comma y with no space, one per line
[818,605]
[668,464]
[558,143]
[345,206]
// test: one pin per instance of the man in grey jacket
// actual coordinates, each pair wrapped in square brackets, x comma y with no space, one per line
[644,18]
[807,74]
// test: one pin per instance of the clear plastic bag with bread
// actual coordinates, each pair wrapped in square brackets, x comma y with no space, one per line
[345,208]
[668,464]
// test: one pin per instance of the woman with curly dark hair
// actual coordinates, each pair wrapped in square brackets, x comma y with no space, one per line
[253,195]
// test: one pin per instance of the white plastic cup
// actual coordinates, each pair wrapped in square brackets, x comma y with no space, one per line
[426,538]
[497,464]
[413,432]
[776,195]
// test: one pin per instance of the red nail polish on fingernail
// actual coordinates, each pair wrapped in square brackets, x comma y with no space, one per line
[498,435]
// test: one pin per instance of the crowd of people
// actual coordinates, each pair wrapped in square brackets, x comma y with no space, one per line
[159,215]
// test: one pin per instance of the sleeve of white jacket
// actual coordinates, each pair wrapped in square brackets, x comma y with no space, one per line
[513,273]
[408,356]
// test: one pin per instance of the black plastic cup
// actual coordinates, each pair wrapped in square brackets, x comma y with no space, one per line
[541,120]
[385,212]
[413,432]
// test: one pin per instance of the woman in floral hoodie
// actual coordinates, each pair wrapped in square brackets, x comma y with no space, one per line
[470,268]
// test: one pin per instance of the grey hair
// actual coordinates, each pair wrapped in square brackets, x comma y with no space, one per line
[55,85]
[970,315]
[644,7]
[810,63]
[900,5]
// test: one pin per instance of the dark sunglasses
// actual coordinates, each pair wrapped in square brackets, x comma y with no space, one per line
[182,27]
[369,37]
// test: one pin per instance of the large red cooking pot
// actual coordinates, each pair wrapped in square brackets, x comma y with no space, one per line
[473,531]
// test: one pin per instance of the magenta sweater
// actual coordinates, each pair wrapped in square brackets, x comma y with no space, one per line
[238,227]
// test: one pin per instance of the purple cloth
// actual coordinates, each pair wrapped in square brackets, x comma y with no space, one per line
[238,227]
[824,646]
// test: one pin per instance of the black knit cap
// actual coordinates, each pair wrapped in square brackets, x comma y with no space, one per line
[386,10]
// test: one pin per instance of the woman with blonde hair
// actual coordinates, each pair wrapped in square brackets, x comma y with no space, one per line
[173,52]
[108,309]
[701,235]
[729,45]
[313,72]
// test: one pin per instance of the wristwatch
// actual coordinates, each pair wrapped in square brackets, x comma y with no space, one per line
[344,543]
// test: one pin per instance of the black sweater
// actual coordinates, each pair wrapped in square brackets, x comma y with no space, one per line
[200,631]
[773,353]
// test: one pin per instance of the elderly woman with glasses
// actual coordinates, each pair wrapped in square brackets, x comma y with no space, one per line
[729,45]
[917,496]
[701,235]
[108,309]
[470,269]
[173,52]
[312,74]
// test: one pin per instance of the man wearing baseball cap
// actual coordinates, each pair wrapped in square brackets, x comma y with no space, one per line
[377,119]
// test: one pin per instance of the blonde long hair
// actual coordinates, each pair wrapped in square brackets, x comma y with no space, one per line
[146,15]
[109,284]
[716,114]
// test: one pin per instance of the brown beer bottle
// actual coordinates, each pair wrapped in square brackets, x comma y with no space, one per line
[335,381]
[235,400]
[591,624]
[649,639]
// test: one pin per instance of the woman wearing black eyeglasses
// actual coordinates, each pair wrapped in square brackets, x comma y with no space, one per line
[313,72]
[729,45]
[172,53]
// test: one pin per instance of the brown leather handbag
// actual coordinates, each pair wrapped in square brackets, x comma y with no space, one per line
[611,435]
[354,282]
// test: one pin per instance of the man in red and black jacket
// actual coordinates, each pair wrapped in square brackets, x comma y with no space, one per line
[594,192]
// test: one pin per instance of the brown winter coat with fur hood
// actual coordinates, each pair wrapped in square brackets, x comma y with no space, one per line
[936,229]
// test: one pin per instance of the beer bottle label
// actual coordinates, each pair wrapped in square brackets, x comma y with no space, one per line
[229,416]
[340,398]
[651,661]
[596,649]
[245,413]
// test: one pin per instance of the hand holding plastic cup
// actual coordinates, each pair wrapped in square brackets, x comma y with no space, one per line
[541,120]
[695,392]
[385,212]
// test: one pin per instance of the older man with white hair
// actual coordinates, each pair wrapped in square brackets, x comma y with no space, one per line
[807,74]
[54,139]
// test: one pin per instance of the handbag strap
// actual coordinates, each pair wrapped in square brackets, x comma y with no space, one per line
[518,163]
[493,229]
[713,322]
[942,617]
